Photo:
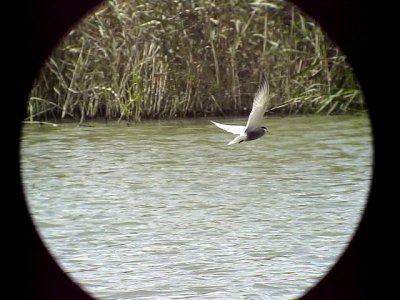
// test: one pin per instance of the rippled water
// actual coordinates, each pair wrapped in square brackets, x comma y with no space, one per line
[165,210]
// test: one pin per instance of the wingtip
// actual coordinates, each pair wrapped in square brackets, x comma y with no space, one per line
[216,123]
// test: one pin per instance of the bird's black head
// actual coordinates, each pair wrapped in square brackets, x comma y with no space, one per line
[265,128]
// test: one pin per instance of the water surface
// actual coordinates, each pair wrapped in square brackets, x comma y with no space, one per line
[166,210]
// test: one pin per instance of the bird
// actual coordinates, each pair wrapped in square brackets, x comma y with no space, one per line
[253,129]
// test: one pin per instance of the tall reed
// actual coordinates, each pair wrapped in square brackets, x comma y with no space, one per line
[131,60]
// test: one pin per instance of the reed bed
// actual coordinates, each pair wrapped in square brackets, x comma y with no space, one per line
[134,60]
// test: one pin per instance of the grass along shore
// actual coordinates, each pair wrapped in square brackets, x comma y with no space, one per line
[134,60]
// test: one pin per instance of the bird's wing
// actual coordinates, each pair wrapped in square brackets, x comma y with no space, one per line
[260,103]
[235,129]
[238,139]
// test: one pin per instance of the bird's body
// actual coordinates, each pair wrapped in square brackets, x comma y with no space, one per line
[253,129]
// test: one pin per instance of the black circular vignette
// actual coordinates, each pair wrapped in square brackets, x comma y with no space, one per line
[32,273]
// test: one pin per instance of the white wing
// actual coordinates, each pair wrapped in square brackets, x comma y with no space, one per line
[238,139]
[260,103]
[235,129]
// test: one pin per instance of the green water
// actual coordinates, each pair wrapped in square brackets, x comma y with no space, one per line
[166,210]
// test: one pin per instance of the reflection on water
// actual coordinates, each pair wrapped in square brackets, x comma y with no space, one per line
[167,210]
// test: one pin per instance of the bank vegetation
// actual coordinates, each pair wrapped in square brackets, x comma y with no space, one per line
[134,60]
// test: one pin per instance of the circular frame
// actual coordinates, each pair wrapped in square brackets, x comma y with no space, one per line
[43,23]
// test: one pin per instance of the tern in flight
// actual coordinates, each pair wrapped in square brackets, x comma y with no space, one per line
[254,129]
